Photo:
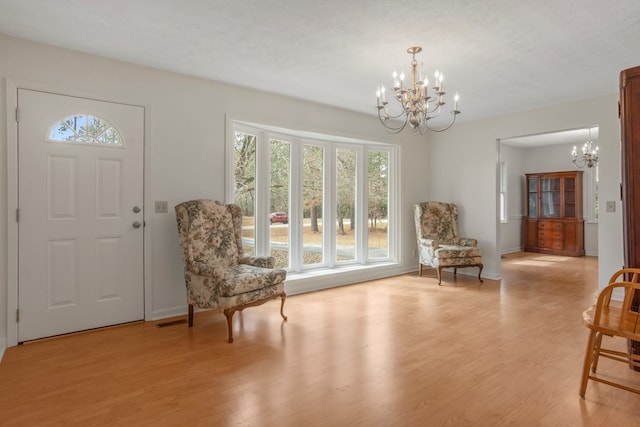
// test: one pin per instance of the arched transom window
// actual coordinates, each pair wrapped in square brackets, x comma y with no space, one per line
[85,129]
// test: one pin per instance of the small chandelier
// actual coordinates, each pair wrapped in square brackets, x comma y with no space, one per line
[418,105]
[589,157]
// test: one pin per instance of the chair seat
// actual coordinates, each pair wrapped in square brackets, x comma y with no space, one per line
[613,321]
[459,262]
[456,251]
[243,278]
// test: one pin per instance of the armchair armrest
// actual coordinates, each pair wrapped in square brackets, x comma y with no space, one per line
[429,242]
[264,262]
[465,241]
[206,270]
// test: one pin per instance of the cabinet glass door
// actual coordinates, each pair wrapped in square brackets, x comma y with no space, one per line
[533,197]
[550,197]
[569,197]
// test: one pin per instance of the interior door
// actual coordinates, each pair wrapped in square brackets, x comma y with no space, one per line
[81,223]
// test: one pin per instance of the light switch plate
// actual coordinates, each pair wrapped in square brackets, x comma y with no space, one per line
[161,207]
[611,206]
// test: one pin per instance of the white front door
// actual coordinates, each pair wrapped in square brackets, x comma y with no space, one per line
[81,223]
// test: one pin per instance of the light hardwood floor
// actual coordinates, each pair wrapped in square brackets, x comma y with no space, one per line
[400,351]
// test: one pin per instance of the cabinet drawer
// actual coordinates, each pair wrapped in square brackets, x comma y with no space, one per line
[550,244]
[545,225]
[550,234]
[557,244]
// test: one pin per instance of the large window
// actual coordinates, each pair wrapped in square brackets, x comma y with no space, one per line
[346,191]
[313,201]
[312,204]
[280,176]
[244,150]
[378,203]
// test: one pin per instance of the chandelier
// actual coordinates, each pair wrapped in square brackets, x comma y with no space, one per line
[418,105]
[589,157]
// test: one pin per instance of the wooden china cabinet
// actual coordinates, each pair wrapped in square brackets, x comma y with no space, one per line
[630,126]
[553,221]
[629,112]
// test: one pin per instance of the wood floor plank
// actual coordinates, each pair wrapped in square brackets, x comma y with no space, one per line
[396,351]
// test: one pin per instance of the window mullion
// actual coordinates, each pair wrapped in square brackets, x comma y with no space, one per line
[295,206]
[362,237]
[329,205]
[392,204]
[262,180]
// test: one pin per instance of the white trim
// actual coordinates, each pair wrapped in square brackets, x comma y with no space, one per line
[12,206]
[3,347]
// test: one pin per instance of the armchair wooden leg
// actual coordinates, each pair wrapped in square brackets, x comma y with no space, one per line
[439,276]
[283,297]
[420,269]
[228,313]
[190,315]
[480,272]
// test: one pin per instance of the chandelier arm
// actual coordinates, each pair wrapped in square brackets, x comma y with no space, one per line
[443,129]
[400,114]
[391,129]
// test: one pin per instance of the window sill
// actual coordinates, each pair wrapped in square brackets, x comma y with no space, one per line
[315,280]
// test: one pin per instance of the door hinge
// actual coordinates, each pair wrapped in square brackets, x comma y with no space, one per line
[17,315]
[18,215]
[17,115]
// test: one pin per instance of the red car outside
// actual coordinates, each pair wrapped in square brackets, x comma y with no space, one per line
[279,217]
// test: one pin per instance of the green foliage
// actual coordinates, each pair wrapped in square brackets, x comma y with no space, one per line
[378,186]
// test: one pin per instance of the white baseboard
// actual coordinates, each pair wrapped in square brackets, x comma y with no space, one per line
[168,312]
[511,251]
[3,347]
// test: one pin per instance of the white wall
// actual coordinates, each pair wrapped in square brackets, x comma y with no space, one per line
[184,153]
[463,169]
[550,158]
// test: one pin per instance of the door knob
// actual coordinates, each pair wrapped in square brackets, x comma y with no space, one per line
[136,224]
[136,209]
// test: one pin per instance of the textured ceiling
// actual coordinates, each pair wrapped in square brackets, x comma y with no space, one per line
[502,56]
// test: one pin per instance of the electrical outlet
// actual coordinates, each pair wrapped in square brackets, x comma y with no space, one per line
[162,207]
[611,206]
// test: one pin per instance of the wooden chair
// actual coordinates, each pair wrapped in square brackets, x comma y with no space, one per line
[218,275]
[613,319]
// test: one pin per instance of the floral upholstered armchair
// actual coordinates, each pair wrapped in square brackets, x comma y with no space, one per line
[439,244]
[217,273]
